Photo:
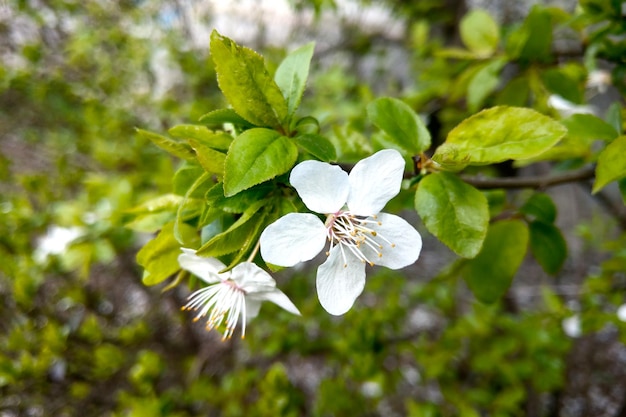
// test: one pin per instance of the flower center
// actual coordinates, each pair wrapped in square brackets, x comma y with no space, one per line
[355,234]
[223,302]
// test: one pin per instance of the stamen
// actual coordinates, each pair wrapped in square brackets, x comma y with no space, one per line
[355,233]
[222,303]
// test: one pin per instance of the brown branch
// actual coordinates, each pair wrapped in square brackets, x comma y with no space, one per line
[538,181]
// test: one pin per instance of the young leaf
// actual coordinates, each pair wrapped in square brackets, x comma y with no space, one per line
[484,83]
[453,211]
[611,164]
[317,145]
[402,125]
[159,257]
[548,246]
[152,215]
[202,134]
[497,134]
[210,159]
[246,84]
[190,207]
[292,73]
[185,177]
[255,156]
[480,33]
[490,273]
[541,207]
[218,117]
[181,150]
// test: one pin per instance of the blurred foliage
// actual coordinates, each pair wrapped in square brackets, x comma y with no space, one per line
[82,335]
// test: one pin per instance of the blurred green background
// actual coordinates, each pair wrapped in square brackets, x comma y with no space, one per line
[81,335]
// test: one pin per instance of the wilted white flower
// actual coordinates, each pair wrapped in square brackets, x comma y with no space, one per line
[599,79]
[566,108]
[230,295]
[621,312]
[572,326]
[55,241]
[358,233]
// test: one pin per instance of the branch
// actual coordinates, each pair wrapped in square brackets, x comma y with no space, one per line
[539,181]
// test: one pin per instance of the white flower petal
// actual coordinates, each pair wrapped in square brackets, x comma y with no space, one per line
[204,268]
[374,181]
[406,240]
[277,297]
[259,286]
[253,306]
[322,187]
[252,278]
[294,238]
[338,286]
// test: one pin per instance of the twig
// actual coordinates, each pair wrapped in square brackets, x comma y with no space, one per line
[539,181]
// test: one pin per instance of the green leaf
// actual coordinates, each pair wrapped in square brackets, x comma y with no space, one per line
[307,124]
[218,117]
[582,131]
[292,73]
[317,145]
[255,156]
[611,164]
[490,273]
[614,116]
[191,206]
[202,134]
[497,134]
[185,177]
[152,215]
[548,246]
[559,82]
[483,83]
[589,128]
[159,257]
[479,32]
[237,203]
[402,125]
[210,159]
[541,207]
[515,93]
[453,211]
[246,84]
[239,236]
[181,150]
[537,29]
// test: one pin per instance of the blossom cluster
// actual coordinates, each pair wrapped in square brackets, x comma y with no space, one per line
[345,217]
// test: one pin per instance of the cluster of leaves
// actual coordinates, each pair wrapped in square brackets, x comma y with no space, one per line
[80,332]
[233,185]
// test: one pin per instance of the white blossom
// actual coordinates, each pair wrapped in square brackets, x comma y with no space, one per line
[566,108]
[621,312]
[56,241]
[572,326]
[358,234]
[600,80]
[231,295]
